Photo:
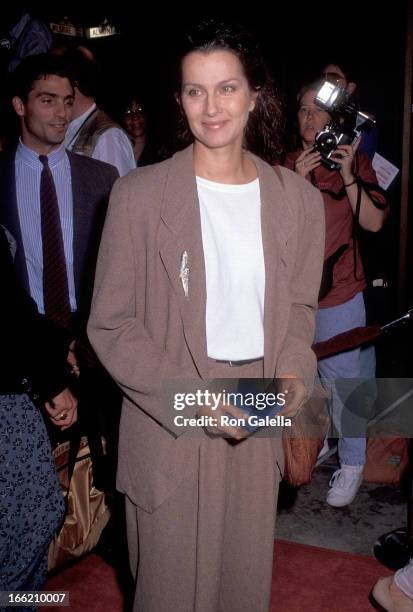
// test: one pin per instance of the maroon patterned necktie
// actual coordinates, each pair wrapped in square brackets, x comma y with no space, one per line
[55,284]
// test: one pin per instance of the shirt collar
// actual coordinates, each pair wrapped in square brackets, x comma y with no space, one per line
[75,124]
[31,158]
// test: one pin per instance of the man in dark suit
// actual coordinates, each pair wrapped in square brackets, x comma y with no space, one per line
[53,202]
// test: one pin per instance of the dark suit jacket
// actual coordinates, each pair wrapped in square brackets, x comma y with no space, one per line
[35,347]
[92,182]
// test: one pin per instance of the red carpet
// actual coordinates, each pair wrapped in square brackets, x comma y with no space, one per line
[311,579]
[92,587]
[306,579]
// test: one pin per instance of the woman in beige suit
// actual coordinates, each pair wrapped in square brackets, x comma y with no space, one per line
[209,268]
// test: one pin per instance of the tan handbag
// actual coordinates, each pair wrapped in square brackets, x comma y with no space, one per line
[87,512]
[387,458]
[305,438]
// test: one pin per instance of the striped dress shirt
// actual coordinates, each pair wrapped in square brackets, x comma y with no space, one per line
[28,172]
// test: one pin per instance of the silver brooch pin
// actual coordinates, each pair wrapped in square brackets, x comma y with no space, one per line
[184,273]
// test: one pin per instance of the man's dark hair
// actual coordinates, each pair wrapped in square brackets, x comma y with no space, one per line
[264,133]
[85,70]
[32,69]
[349,69]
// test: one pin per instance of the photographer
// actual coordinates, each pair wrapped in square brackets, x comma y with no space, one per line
[347,193]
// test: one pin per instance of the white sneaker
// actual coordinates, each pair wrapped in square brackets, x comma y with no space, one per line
[344,485]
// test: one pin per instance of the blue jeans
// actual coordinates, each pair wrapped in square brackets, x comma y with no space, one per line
[338,374]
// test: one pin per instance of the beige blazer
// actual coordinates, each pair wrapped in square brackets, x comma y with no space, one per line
[145,330]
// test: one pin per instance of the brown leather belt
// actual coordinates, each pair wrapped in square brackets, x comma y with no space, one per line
[238,363]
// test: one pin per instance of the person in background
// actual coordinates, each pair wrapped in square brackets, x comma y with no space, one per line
[137,120]
[53,205]
[36,370]
[54,202]
[134,121]
[22,34]
[341,303]
[343,75]
[196,281]
[91,131]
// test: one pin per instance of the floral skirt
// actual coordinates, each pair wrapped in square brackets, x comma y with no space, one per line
[31,502]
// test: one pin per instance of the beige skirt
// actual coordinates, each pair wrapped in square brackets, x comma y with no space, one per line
[209,546]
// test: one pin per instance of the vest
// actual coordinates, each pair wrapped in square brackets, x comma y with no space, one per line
[93,127]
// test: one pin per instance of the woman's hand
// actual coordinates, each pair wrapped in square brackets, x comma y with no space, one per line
[62,409]
[218,417]
[295,393]
[370,216]
[307,160]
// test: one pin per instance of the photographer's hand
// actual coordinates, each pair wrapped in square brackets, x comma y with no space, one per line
[370,217]
[344,154]
[307,161]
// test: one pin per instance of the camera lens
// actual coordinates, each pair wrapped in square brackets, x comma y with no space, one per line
[326,142]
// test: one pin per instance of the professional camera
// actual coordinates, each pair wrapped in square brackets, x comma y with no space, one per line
[346,125]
